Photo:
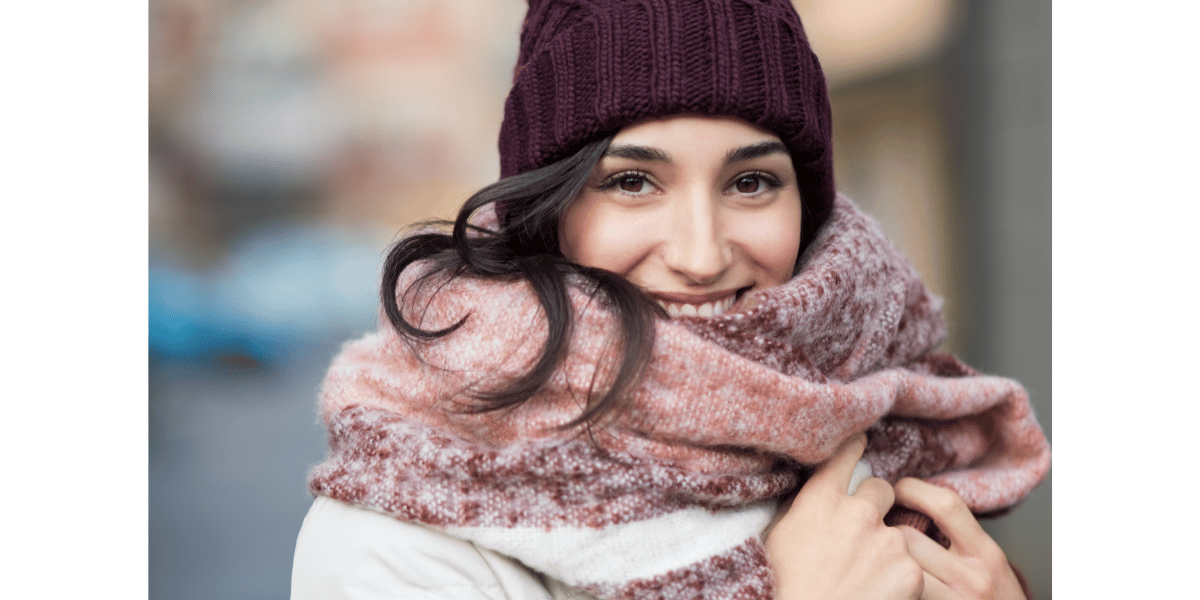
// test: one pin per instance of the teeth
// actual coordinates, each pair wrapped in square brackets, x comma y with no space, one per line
[708,309]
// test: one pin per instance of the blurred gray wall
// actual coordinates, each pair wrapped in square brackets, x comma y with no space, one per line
[1001,61]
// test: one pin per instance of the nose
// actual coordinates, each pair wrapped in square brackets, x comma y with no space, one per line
[696,246]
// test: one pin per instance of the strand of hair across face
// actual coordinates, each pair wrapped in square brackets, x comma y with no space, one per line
[525,245]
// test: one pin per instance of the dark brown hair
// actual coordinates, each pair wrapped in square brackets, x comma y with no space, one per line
[526,246]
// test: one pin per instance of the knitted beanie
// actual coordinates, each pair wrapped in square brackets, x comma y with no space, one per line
[587,68]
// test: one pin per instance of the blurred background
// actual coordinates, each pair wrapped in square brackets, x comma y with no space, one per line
[291,140]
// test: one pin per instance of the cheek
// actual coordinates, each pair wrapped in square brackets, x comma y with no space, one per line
[594,235]
[775,243]
[780,260]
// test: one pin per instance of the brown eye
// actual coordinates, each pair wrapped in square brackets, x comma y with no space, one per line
[632,184]
[748,184]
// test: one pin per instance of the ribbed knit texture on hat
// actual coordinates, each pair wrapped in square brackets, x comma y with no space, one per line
[587,68]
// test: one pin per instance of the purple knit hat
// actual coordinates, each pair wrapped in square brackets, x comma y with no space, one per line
[587,68]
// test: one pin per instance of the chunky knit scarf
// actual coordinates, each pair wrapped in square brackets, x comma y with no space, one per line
[669,497]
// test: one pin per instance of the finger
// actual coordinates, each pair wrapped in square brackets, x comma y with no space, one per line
[837,470]
[947,510]
[879,492]
[933,558]
[936,590]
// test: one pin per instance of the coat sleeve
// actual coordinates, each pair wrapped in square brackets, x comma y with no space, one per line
[344,552]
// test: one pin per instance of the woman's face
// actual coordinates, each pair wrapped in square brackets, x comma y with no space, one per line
[697,211]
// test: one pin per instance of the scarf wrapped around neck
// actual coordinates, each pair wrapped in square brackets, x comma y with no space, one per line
[668,498]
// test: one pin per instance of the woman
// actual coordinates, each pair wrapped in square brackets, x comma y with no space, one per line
[659,320]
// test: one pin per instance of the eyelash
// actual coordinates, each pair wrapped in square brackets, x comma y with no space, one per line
[614,180]
[769,182]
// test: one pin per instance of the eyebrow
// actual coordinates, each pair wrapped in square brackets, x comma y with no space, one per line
[754,151]
[647,153]
[639,153]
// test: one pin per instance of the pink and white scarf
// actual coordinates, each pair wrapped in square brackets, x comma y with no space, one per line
[669,497]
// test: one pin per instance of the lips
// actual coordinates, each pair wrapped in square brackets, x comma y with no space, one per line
[707,305]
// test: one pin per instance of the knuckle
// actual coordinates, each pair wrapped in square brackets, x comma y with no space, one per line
[992,553]
[883,488]
[864,512]
[948,503]
[911,577]
[895,539]
[979,583]
[993,556]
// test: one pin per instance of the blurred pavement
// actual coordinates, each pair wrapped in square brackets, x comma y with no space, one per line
[229,448]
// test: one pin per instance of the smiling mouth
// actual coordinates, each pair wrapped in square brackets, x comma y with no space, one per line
[707,308]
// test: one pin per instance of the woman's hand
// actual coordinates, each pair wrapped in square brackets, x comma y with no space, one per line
[974,567]
[830,545]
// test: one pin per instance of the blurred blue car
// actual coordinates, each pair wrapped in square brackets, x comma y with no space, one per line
[283,287]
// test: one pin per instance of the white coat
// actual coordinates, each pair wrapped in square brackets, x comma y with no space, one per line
[345,552]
